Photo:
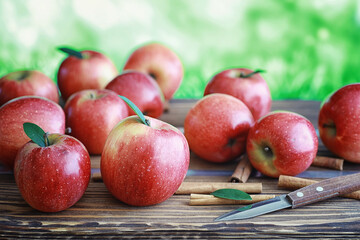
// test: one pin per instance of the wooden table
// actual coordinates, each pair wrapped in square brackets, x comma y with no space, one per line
[99,215]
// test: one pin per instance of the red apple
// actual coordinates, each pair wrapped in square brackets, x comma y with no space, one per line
[91,114]
[282,143]
[144,165]
[246,85]
[161,63]
[54,177]
[84,70]
[216,127]
[141,89]
[339,122]
[27,83]
[41,111]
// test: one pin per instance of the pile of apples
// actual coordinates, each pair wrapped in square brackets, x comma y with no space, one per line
[144,160]
[234,118]
[142,163]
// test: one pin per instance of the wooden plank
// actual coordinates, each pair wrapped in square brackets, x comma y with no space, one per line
[99,215]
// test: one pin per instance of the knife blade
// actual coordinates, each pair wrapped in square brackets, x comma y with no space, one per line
[316,192]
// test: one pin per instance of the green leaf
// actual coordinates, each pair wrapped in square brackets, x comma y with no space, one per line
[36,134]
[244,208]
[231,194]
[71,52]
[136,110]
[252,73]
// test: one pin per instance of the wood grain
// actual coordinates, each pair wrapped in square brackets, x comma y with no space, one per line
[98,215]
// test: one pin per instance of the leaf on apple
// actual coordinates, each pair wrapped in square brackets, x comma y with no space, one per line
[234,194]
[71,52]
[36,134]
[136,110]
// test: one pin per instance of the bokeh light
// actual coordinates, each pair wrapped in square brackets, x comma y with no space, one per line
[308,48]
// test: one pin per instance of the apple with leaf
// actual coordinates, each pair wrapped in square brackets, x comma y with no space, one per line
[52,171]
[144,160]
[245,84]
[84,70]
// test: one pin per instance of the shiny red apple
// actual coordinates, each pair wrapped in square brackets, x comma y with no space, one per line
[339,123]
[282,143]
[27,83]
[161,63]
[142,90]
[53,177]
[41,111]
[91,114]
[84,70]
[144,165]
[246,85]
[216,127]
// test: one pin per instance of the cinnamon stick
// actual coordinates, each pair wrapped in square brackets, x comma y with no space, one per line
[209,187]
[328,162]
[205,199]
[205,187]
[290,182]
[242,170]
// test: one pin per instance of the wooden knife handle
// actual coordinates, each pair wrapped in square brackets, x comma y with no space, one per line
[325,189]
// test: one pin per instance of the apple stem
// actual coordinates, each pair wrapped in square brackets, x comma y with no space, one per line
[331,128]
[71,52]
[92,95]
[46,139]
[242,75]
[153,76]
[68,130]
[268,152]
[21,75]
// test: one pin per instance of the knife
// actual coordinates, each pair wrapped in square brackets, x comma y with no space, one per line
[316,192]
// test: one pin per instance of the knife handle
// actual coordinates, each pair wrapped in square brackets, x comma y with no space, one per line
[325,189]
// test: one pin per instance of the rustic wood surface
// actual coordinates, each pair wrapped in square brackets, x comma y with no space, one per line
[99,215]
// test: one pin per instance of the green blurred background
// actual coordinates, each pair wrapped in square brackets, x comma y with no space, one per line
[308,48]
